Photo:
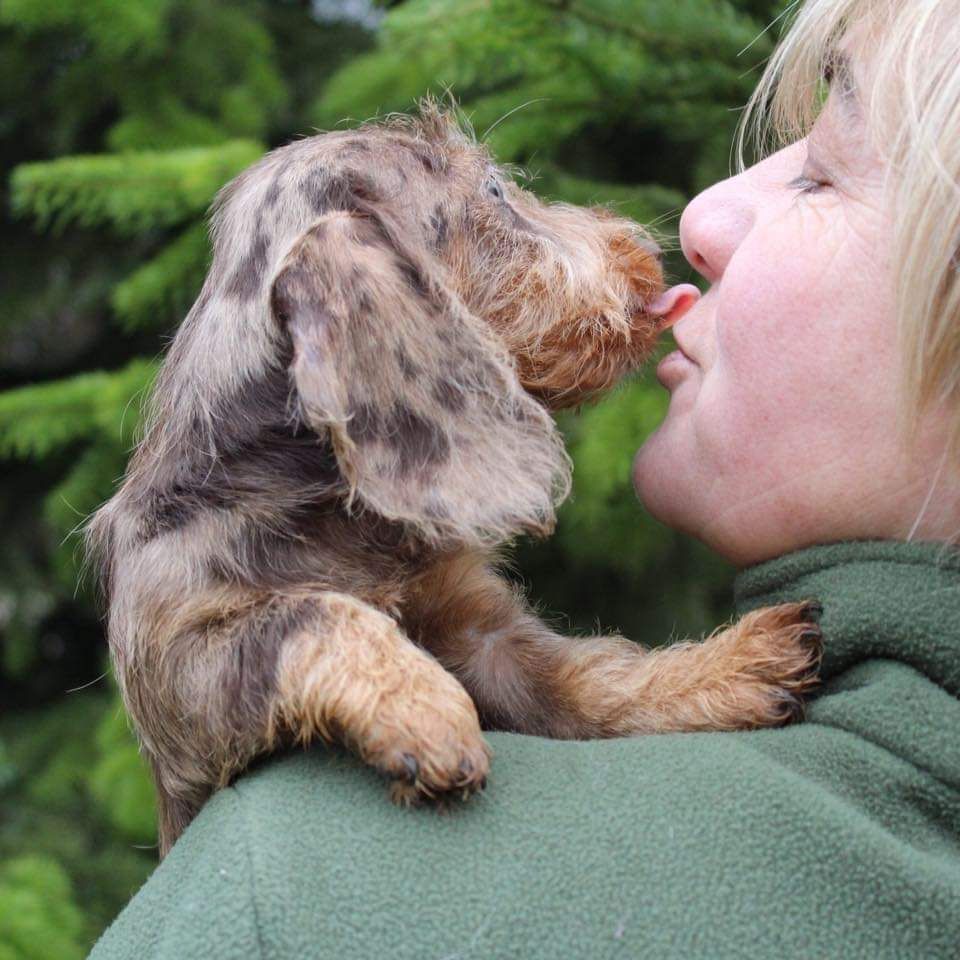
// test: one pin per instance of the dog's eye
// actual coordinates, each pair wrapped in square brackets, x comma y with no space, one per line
[494,189]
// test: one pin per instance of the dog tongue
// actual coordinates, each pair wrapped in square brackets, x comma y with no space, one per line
[672,304]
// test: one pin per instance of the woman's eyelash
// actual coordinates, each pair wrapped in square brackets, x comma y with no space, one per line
[806,185]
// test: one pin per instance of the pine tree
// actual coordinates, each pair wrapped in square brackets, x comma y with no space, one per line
[120,119]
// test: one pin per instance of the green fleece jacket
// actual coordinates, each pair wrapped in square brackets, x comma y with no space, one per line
[837,837]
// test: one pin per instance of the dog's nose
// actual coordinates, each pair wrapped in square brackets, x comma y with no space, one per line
[650,245]
[637,247]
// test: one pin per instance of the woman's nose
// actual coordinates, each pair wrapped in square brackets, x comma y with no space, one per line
[714,225]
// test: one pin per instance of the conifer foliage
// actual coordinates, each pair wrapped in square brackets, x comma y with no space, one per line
[119,121]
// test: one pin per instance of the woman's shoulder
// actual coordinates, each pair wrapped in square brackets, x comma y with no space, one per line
[668,843]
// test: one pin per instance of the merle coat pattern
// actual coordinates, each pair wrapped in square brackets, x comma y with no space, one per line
[350,422]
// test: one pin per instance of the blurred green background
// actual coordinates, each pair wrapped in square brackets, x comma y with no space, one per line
[119,119]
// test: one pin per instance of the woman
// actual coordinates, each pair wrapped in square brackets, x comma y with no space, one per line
[812,438]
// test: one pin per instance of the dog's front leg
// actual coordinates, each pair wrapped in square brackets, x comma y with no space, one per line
[361,680]
[523,676]
[251,673]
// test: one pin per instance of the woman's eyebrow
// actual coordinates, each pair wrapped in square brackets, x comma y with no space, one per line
[838,73]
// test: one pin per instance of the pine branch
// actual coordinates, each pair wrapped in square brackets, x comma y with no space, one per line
[134,192]
[39,419]
[89,481]
[666,42]
[162,289]
[640,202]
[117,27]
[601,518]
[595,18]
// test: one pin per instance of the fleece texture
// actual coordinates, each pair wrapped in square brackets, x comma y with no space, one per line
[836,837]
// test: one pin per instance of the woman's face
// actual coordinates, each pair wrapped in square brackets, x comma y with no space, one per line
[783,423]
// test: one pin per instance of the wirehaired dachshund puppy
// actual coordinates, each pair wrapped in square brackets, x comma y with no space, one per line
[352,419]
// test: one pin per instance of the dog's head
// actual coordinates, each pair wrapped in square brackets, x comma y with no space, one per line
[431,310]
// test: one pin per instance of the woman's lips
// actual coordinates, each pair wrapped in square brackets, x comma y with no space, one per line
[670,306]
[674,368]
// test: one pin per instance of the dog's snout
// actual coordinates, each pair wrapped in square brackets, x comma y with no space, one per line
[638,257]
[644,244]
[631,233]
[647,243]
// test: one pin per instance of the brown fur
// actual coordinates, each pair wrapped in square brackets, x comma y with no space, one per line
[351,420]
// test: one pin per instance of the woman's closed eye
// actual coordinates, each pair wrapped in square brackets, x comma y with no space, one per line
[808,184]
[813,178]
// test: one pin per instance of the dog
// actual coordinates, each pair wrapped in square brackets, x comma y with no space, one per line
[352,420]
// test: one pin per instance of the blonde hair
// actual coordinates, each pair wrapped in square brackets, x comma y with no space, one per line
[912,112]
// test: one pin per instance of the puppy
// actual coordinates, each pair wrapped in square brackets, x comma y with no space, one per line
[351,420]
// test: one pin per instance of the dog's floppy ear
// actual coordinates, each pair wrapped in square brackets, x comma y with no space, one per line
[427,418]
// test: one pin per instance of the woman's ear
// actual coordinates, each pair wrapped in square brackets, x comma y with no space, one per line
[428,421]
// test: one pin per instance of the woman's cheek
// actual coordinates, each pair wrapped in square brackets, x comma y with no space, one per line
[768,386]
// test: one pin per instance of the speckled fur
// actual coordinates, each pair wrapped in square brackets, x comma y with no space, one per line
[351,420]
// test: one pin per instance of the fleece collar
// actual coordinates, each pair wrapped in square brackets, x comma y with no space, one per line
[881,599]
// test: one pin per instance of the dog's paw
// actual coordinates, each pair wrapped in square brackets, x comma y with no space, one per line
[430,746]
[413,788]
[776,654]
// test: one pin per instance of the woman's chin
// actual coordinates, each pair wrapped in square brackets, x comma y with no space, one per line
[655,476]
